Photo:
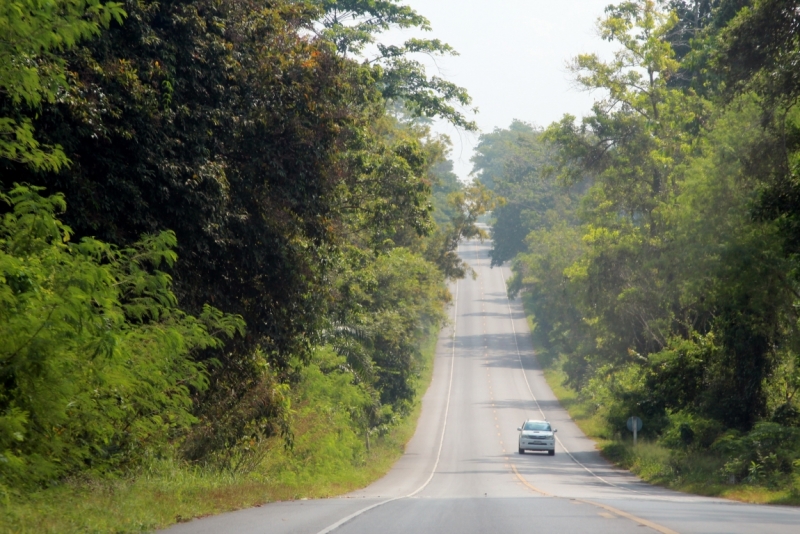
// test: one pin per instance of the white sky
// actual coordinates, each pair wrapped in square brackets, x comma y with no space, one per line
[512,59]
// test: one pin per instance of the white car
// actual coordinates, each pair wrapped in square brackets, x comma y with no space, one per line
[535,435]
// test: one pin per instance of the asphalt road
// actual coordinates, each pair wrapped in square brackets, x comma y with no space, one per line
[461,472]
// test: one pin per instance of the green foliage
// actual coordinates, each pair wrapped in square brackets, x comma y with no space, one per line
[394,298]
[761,456]
[234,425]
[670,292]
[758,48]
[466,205]
[406,302]
[695,454]
[387,195]
[445,183]
[326,408]
[500,148]
[95,356]
[33,72]
[351,25]
[271,154]
[293,179]
[34,30]
[163,491]
[403,79]
[516,164]
[550,296]
[176,144]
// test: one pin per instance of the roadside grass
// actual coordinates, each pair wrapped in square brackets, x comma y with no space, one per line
[694,472]
[689,472]
[167,492]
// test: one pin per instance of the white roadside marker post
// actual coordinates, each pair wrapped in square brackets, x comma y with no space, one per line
[634,425]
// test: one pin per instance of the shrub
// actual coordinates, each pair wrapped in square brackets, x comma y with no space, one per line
[687,430]
[622,392]
[95,356]
[762,455]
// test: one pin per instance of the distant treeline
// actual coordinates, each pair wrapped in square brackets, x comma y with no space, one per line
[197,195]
[656,239]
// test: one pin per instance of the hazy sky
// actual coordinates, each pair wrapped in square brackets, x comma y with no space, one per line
[512,59]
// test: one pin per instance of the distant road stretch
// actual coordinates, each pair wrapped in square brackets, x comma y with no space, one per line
[461,472]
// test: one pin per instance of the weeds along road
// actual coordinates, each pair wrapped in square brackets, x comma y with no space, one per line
[461,472]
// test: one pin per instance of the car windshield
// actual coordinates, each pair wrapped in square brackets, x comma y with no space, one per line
[536,425]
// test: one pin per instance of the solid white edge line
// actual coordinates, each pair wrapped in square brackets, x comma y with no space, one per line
[449,389]
[525,376]
[441,440]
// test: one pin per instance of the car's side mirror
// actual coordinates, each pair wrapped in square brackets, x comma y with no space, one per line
[555,430]
[519,429]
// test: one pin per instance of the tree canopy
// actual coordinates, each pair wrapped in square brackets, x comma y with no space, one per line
[218,192]
[665,285]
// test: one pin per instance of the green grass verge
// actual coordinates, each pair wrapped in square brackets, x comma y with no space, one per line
[168,492]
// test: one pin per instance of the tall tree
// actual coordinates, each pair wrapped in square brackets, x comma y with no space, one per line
[353,25]
[32,70]
[517,164]
[264,148]
[670,296]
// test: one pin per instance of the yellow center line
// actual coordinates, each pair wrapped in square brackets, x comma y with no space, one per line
[626,515]
[528,484]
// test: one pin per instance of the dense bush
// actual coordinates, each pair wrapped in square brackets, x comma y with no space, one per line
[760,456]
[95,356]
[689,431]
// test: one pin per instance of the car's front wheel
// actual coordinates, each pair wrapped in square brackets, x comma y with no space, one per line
[551,452]
[521,450]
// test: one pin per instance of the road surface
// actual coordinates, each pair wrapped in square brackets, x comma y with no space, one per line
[461,472]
